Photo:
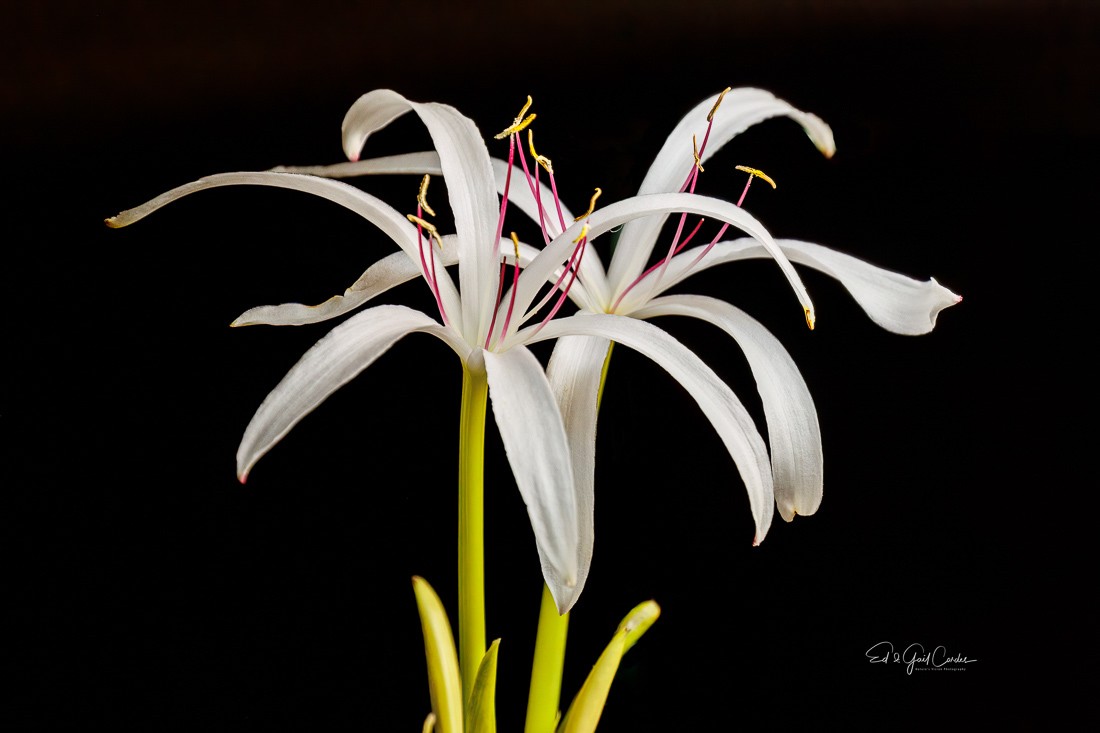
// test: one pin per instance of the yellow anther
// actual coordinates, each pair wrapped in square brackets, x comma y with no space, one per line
[695,152]
[757,173]
[422,197]
[519,123]
[515,245]
[591,207]
[584,231]
[540,159]
[428,226]
[810,320]
[710,117]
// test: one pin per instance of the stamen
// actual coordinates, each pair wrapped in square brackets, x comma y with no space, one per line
[518,124]
[422,197]
[756,173]
[574,266]
[540,159]
[515,284]
[428,226]
[429,269]
[591,208]
[710,117]
[695,152]
[753,173]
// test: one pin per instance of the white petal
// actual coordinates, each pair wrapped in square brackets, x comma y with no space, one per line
[574,371]
[535,442]
[426,161]
[384,274]
[740,109]
[462,158]
[896,302]
[374,210]
[609,217]
[718,402]
[794,435]
[332,362]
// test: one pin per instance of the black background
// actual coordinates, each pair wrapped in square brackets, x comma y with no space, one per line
[149,589]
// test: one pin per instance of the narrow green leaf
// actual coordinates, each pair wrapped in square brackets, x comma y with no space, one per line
[444,683]
[584,713]
[481,713]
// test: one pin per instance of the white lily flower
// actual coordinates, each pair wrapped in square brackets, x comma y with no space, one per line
[489,320]
[896,302]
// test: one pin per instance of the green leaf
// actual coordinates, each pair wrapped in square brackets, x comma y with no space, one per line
[584,713]
[444,683]
[481,715]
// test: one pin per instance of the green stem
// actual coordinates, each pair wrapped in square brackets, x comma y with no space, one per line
[471,523]
[545,695]
[546,671]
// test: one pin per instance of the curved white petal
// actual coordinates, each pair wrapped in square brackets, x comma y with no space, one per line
[794,434]
[535,442]
[384,274]
[462,158]
[425,161]
[731,421]
[740,109]
[374,210]
[329,364]
[574,371]
[896,302]
[609,217]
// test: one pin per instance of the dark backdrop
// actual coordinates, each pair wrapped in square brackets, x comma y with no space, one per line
[150,589]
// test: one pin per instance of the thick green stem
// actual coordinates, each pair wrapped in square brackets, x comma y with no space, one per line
[545,695]
[546,671]
[471,523]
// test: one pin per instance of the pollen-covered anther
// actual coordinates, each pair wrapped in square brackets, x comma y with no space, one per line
[756,173]
[422,196]
[584,232]
[520,123]
[710,116]
[540,159]
[427,226]
[695,152]
[810,318]
[515,246]
[591,208]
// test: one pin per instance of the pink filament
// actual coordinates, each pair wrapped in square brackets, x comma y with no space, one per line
[429,271]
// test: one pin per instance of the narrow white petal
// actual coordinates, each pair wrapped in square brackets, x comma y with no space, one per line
[574,371]
[578,293]
[384,274]
[611,216]
[794,435]
[426,161]
[741,109]
[332,362]
[385,217]
[896,302]
[731,421]
[463,158]
[534,439]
